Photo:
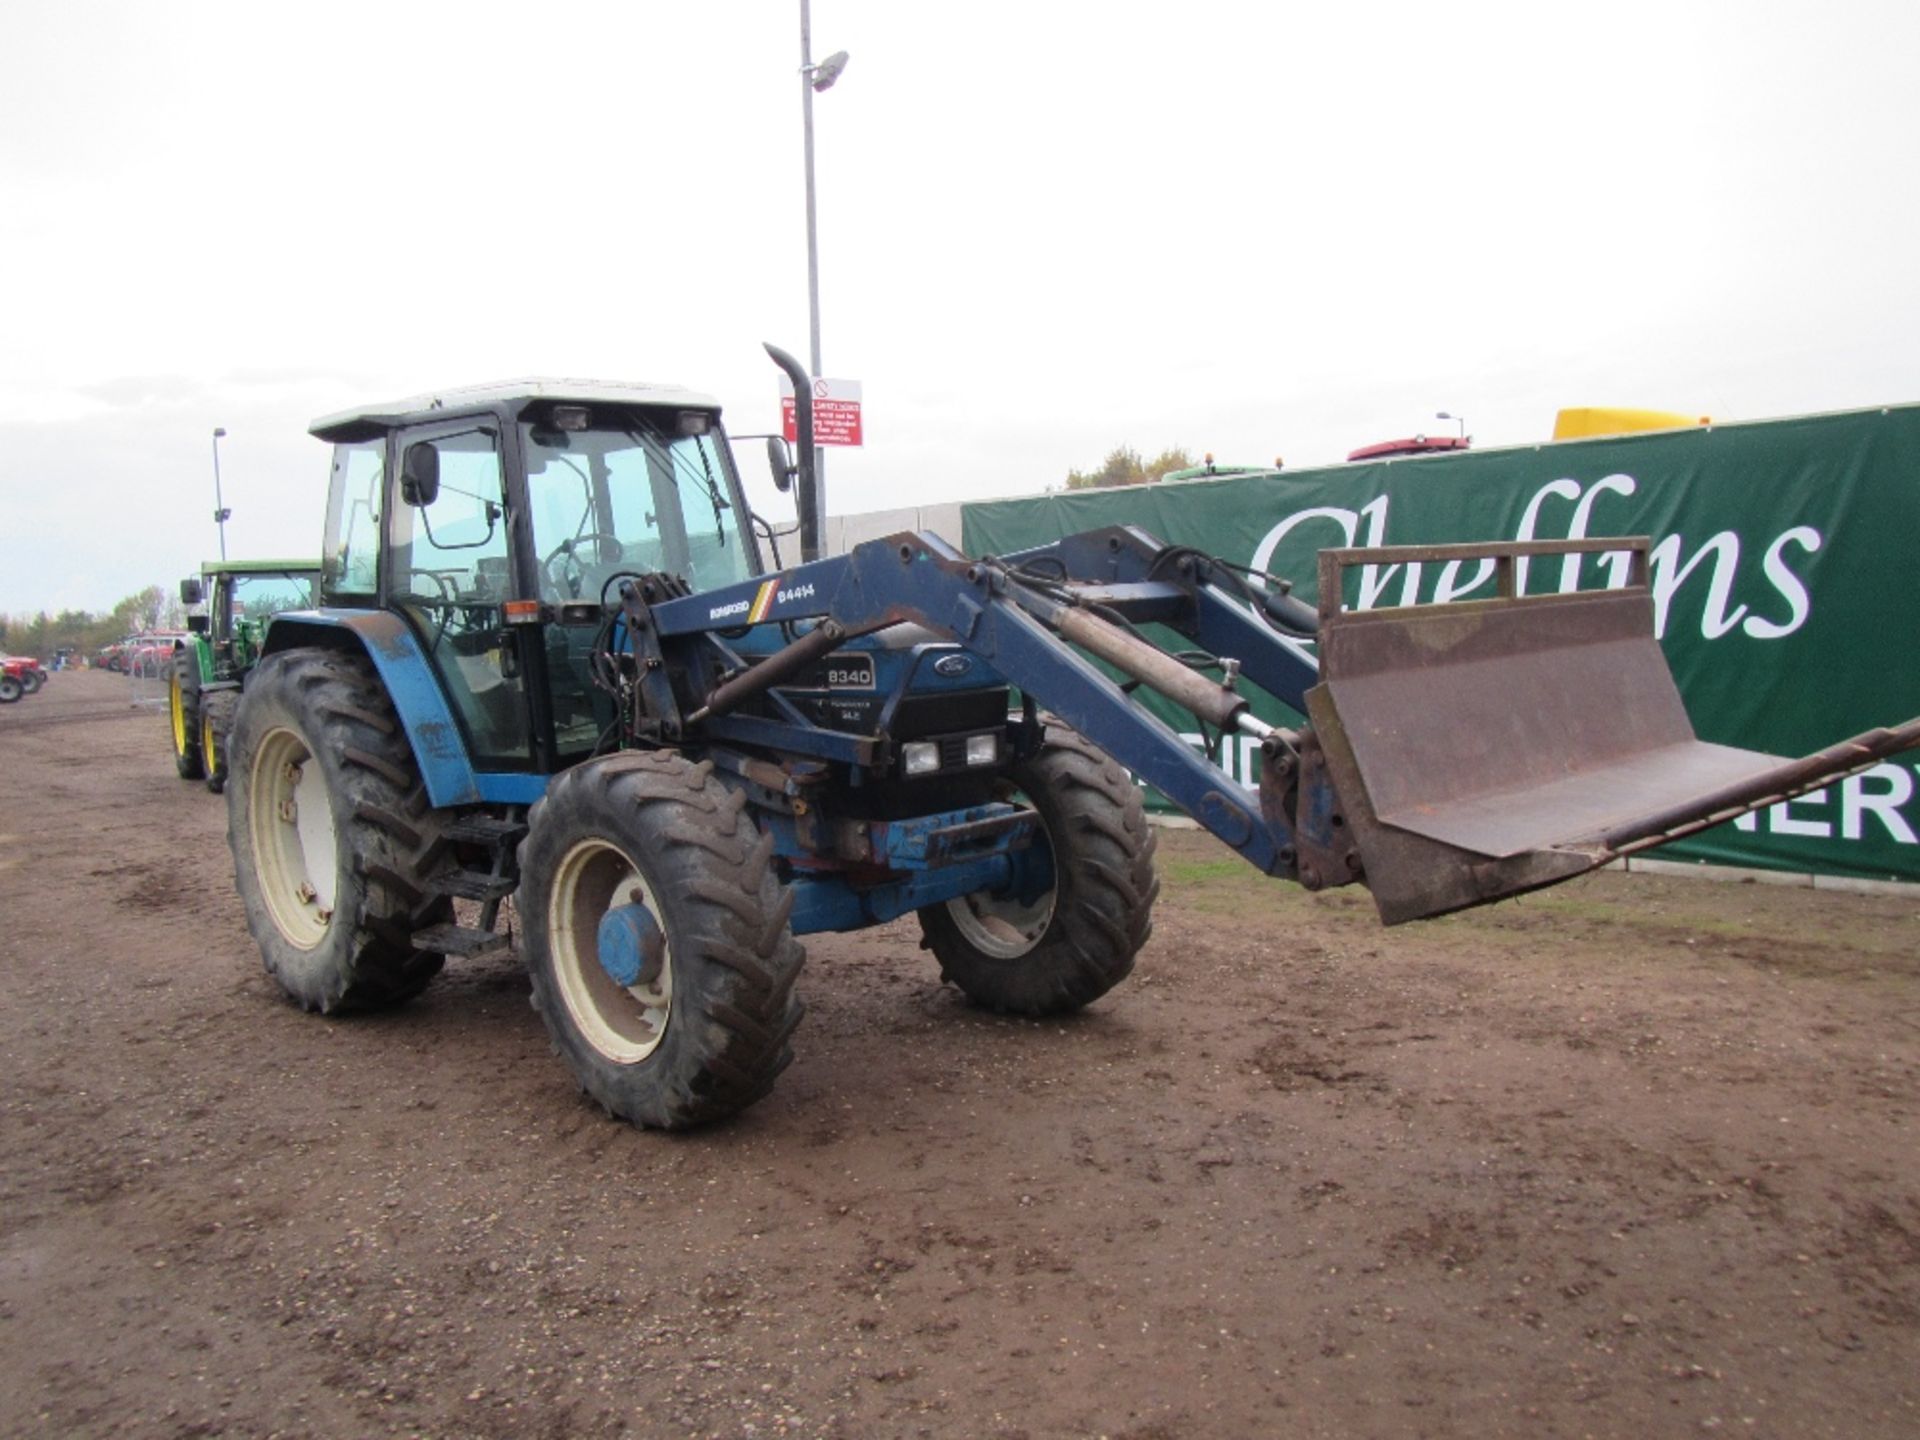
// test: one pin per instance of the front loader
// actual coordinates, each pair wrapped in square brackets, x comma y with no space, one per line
[552,665]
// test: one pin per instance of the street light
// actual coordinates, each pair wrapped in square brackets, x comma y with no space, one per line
[1459,420]
[814,78]
[220,511]
[828,71]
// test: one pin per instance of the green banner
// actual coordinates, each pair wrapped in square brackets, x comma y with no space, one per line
[1782,571]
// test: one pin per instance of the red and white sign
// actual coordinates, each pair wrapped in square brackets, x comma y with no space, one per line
[836,411]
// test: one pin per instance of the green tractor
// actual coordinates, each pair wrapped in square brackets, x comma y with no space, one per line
[235,599]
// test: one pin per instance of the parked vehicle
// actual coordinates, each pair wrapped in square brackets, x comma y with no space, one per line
[230,602]
[16,680]
[25,669]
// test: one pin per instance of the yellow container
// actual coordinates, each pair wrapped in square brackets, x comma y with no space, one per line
[1586,422]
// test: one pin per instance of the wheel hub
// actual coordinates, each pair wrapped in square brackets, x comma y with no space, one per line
[632,947]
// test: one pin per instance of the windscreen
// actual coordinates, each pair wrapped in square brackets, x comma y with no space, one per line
[258,597]
[630,494]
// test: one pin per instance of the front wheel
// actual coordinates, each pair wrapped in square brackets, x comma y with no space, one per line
[31,682]
[332,835]
[1062,949]
[10,690]
[657,941]
[183,709]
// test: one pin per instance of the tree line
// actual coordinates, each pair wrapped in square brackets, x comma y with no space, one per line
[86,632]
[1123,466]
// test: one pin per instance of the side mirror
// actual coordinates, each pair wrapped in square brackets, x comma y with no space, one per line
[420,475]
[192,592]
[780,463]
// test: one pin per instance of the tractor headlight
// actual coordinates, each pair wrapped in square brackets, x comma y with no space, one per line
[920,758]
[983,749]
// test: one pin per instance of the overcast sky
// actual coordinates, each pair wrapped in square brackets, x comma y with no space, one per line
[1046,229]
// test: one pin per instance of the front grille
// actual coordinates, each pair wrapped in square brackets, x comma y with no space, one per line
[924,716]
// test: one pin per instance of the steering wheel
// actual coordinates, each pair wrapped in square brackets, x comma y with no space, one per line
[446,586]
[563,568]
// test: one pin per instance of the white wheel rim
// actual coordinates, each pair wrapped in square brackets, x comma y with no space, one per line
[295,851]
[1001,925]
[625,1023]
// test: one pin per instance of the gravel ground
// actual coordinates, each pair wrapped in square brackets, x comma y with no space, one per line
[1634,1157]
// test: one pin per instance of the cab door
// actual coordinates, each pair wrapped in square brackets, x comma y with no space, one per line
[449,571]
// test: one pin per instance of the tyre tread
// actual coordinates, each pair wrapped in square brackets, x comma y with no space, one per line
[735,960]
[387,826]
[1106,886]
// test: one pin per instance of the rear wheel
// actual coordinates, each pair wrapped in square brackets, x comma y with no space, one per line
[216,720]
[332,834]
[1062,949]
[656,937]
[183,709]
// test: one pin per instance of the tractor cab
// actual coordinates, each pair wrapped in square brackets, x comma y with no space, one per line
[494,523]
[236,599]
[499,527]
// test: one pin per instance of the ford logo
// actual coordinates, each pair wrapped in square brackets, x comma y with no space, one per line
[953,665]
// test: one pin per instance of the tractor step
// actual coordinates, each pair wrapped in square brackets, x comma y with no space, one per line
[485,830]
[459,940]
[475,885]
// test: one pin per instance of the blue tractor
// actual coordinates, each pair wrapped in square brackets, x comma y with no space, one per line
[557,659]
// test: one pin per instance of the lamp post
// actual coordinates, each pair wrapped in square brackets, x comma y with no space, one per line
[814,78]
[1459,420]
[220,510]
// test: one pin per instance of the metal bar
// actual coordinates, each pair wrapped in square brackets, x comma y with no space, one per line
[788,660]
[1279,664]
[1504,554]
[1069,686]
[1486,549]
[797,594]
[1186,687]
[1143,601]
[1796,777]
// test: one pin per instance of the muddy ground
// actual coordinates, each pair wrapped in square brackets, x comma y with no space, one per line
[1635,1157]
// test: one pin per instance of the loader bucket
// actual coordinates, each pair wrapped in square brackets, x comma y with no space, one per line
[1481,749]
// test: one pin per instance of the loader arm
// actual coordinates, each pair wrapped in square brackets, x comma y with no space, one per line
[1455,753]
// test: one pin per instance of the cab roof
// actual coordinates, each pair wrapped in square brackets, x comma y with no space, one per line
[507,397]
[308,566]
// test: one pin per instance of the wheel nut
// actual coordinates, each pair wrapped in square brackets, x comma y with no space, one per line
[287,812]
[307,893]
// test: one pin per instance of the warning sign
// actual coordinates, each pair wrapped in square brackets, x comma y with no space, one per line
[836,411]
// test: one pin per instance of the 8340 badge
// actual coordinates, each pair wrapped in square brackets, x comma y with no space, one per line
[842,670]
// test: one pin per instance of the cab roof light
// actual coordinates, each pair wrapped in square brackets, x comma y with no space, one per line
[693,422]
[570,417]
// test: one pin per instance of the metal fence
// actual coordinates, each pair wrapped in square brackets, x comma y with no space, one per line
[149,662]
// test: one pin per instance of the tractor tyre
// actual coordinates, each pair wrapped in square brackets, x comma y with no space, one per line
[332,835]
[10,690]
[31,682]
[1068,947]
[183,709]
[216,722]
[697,1024]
